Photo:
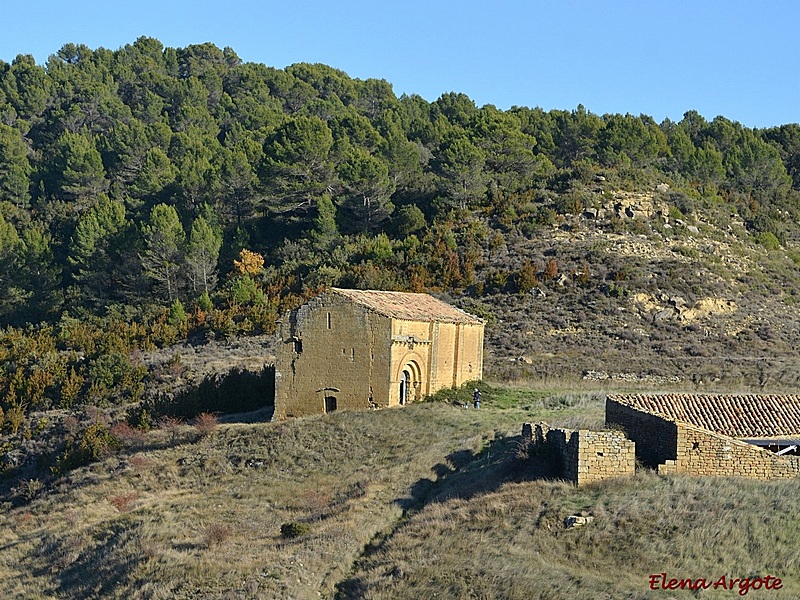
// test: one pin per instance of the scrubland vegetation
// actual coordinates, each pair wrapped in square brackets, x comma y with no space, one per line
[432,500]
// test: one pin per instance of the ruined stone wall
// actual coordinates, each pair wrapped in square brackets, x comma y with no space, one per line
[331,347]
[672,447]
[585,456]
[703,452]
[656,438]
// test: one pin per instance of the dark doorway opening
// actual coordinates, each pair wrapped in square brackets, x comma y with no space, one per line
[330,404]
[405,380]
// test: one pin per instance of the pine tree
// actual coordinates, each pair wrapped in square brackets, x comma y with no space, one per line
[202,255]
[163,256]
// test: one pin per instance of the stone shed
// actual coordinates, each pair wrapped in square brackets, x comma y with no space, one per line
[584,456]
[712,434]
[359,349]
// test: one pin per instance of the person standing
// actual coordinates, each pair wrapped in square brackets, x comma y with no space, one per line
[476,398]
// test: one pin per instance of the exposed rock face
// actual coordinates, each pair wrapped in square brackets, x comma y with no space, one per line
[675,307]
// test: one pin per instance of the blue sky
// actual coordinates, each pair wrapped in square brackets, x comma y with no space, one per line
[659,58]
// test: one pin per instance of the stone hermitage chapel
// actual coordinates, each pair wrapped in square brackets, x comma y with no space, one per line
[360,349]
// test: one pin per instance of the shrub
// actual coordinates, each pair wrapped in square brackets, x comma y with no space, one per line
[206,424]
[769,241]
[528,277]
[126,434]
[95,443]
[171,425]
[71,386]
[216,534]
[204,302]
[293,529]
[30,488]
[551,269]
[177,314]
[123,502]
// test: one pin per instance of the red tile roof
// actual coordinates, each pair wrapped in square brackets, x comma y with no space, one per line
[408,306]
[739,416]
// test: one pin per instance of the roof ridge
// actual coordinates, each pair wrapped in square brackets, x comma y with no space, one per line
[741,415]
[411,306]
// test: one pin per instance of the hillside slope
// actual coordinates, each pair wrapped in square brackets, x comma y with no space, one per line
[649,297]
[431,500]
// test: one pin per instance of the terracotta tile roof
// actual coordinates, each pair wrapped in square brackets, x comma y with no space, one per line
[739,416]
[408,306]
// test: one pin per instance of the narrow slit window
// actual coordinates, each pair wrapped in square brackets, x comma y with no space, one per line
[329,320]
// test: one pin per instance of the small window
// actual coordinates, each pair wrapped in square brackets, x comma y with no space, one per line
[329,320]
[599,454]
[298,346]
[695,445]
[353,354]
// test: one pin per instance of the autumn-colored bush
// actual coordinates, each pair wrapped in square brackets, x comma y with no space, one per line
[206,424]
[216,534]
[123,502]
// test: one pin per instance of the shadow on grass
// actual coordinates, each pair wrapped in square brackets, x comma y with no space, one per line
[82,566]
[467,474]
[235,392]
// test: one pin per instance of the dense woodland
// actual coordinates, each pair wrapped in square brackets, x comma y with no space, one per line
[150,194]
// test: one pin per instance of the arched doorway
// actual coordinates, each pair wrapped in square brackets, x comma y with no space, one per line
[405,381]
[409,383]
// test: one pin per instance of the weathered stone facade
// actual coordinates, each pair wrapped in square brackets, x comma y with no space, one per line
[673,446]
[359,349]
[585,456]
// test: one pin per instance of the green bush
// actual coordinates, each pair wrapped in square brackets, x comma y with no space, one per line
[95,443]
[293,529]
[769,241]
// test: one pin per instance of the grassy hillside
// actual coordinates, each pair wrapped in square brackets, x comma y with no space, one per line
[428,501]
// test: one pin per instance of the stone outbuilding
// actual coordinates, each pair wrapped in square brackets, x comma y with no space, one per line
[359,349]
[583,456]
[753,436]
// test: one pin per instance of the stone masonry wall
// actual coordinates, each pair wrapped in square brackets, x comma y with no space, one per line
[703,452]
[673,447]
[655,438]
[343,351]
[586,456]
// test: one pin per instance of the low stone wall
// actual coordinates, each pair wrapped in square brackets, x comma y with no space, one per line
[585,456]
[674,447]
[703,452]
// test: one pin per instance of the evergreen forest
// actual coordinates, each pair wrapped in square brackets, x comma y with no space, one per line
[150,195]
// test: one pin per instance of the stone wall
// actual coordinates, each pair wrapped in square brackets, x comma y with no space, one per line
[672,447]
[331,347]
[703,452]
[655,438]
[336,354]
[585,456]
[446,355]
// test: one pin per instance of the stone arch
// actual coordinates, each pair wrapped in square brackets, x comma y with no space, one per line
[409,378]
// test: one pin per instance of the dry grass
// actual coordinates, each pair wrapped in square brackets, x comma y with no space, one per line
[400,503]
[512,543]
